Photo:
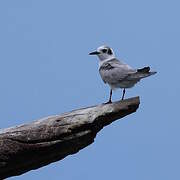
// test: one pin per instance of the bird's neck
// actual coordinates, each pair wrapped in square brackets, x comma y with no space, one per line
[101,62]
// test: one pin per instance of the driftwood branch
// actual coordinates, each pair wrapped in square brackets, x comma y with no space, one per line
[31,146]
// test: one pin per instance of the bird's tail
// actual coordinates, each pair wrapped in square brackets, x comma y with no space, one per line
[142,73]
[145,72]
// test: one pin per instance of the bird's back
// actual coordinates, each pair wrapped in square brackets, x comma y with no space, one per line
[120,75]
[114,72]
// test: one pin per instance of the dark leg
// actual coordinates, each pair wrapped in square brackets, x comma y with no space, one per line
[110,97]
[110,101]
[123,93]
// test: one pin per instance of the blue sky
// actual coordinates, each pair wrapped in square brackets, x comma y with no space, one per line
[45,69]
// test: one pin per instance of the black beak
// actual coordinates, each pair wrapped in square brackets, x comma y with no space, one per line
[94,53]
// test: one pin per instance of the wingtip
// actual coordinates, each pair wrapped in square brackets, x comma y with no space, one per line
[153,72]
[144,70]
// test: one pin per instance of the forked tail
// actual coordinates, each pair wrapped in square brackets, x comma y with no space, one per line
[145,72]
[142,73]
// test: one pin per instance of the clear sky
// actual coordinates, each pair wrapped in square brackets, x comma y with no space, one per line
[45,69]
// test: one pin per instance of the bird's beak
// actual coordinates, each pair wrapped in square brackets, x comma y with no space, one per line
[94,53]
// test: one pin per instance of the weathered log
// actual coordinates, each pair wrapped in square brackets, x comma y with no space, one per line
[31,146]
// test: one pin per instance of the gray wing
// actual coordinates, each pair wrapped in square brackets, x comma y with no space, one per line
[114,71]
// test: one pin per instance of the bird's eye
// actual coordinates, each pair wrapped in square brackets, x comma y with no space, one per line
[104,50]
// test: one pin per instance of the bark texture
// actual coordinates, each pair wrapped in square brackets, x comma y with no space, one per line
[31,146]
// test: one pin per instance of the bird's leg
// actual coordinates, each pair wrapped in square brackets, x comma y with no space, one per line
[123,93]
[110,101]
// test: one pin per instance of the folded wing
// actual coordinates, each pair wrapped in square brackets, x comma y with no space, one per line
[114,71]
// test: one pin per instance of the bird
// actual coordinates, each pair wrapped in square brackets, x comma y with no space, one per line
[116,73]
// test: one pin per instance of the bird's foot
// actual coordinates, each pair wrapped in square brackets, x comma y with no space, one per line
[109,102]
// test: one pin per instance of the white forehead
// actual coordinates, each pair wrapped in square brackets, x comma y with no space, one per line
[103,47]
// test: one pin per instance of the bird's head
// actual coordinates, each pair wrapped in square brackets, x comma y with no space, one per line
[104,53]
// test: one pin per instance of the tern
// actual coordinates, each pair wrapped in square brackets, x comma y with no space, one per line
[116,73]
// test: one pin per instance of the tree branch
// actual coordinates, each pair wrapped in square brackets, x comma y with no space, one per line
[31,146]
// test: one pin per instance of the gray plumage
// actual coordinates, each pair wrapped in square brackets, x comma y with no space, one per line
[121,75]
[116,73]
